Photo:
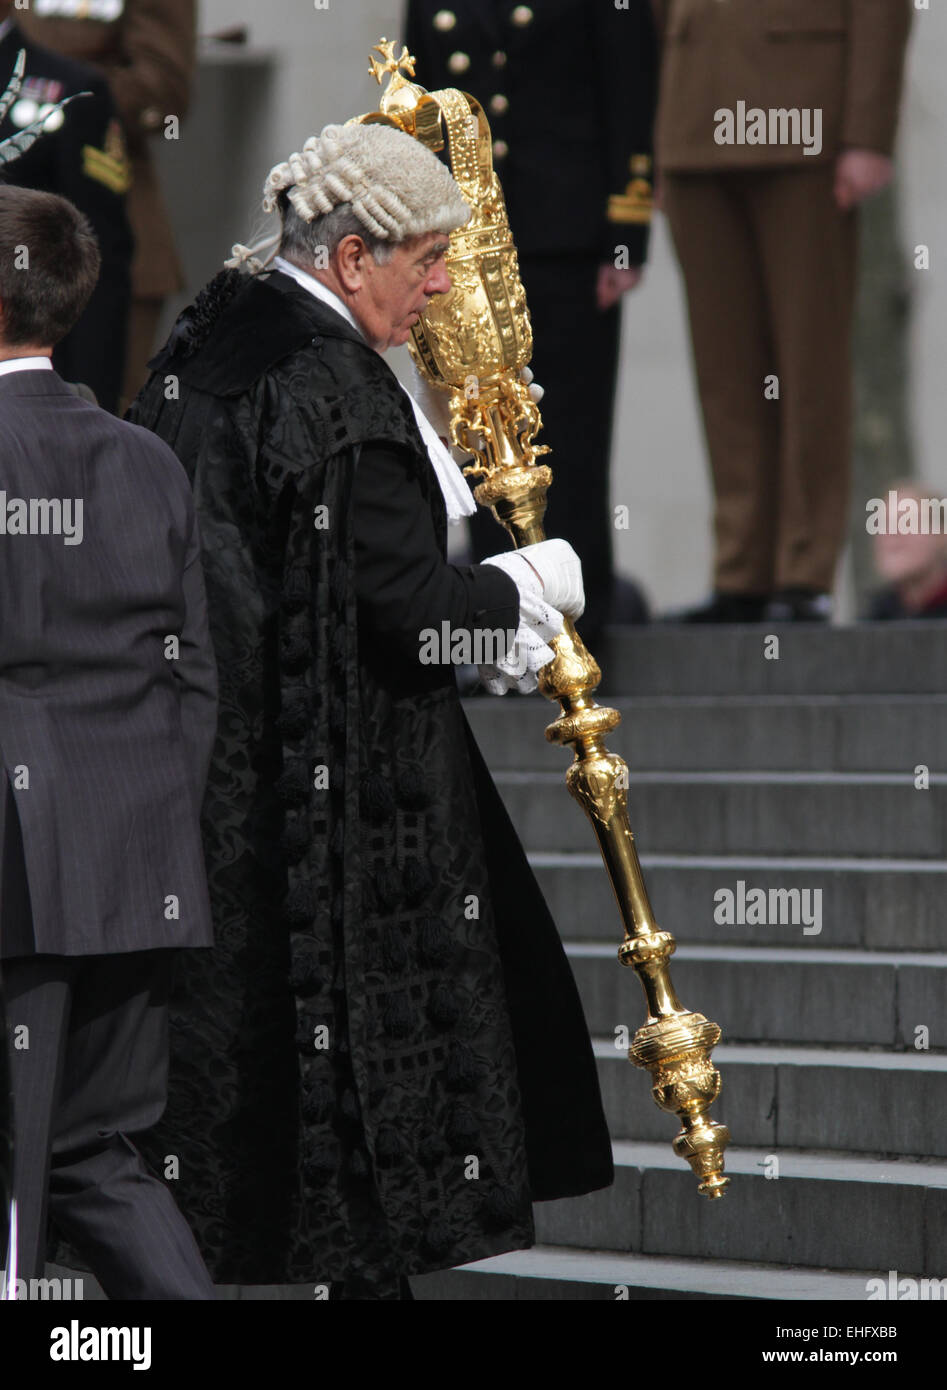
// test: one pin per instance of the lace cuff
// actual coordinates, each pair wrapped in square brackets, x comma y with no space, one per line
[539,624]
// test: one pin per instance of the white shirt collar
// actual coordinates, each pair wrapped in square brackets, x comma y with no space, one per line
[458,499]
[26,364]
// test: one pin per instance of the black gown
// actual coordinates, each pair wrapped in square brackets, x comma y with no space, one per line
[384,1059]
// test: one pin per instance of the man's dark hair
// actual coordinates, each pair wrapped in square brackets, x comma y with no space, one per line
[49,263]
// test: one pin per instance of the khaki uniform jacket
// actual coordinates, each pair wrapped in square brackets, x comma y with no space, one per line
[146,49]
[843,57]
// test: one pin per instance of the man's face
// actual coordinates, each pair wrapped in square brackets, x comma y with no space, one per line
[393,296]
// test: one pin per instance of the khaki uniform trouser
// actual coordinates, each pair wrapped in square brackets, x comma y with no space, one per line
[769,265]
[142,329]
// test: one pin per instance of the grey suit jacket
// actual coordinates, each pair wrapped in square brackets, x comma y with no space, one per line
[107,679]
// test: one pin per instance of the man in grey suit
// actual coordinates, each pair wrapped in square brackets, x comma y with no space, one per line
[107,720]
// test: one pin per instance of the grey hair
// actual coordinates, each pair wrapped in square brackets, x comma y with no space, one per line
[310,243]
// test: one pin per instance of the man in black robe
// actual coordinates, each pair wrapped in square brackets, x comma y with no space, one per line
[384,1061]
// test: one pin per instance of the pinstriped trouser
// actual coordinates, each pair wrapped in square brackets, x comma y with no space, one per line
[91,1067]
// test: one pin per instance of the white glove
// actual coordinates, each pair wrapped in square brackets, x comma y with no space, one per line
[560,569]
[536,392]
[539,624]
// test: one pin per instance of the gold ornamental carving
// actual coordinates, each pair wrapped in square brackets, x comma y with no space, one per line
[473,343]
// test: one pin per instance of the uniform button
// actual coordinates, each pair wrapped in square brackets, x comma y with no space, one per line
[24,112]
[522,16]
[499,59]
[458,62]
[500,149]
[151,118]
[499,104]
[445,20]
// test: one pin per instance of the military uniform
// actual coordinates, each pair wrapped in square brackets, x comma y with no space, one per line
[146,49]
[575,165]
[769,259]
[81,157]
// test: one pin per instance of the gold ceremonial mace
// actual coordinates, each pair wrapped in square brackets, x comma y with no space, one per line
[474,342]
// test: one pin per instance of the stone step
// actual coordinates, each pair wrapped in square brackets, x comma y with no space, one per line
[880,733]
[797,1098]
[869,659]
[825,1210]
[560,1273]
[881,904]
[835,814]
[777,995]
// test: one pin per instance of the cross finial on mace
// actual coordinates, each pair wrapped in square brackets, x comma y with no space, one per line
[391,64]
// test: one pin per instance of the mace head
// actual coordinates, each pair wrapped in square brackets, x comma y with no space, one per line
[475,340]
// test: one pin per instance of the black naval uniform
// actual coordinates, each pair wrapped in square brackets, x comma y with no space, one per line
[576,174]
[85,161]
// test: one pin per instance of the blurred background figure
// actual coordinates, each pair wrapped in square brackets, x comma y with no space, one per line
[82,157]
[912,565]
[146,50]
[576,168]
[766,238]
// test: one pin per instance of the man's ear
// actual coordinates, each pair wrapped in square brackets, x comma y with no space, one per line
[351,254]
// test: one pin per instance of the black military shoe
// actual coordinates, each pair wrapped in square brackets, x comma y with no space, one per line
[724,608]
[799,606]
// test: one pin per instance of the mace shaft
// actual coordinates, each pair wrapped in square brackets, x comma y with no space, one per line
[674,1044]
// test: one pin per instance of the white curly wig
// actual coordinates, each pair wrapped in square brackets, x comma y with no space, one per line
[395,186]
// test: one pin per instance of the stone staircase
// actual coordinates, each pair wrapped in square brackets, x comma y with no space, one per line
[790,773]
